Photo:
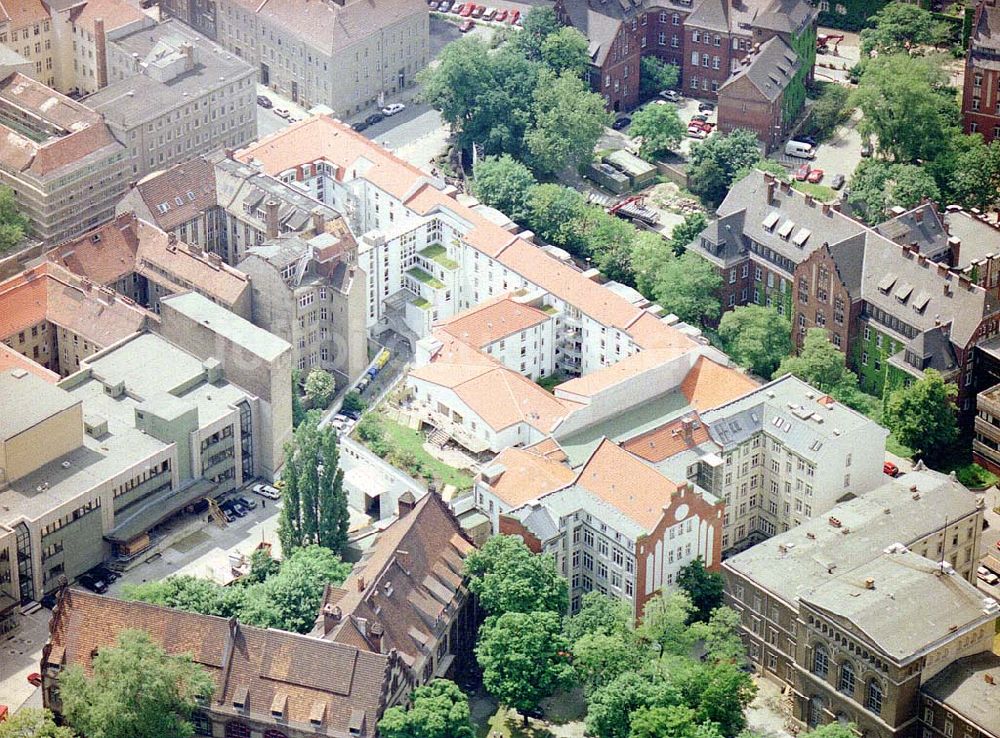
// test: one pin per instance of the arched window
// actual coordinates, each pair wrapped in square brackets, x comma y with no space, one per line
[846,682]
[814,712]
[821,661]
[873,696]
[237,730]
[274,734]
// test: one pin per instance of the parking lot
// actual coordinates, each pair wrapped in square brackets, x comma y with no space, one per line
[21,656]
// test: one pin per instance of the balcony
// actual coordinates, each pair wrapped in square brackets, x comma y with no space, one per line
[424,278]
[426,413]
[439,255]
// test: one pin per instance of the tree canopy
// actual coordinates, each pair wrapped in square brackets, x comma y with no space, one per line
[716,162]
[703,587]
[878,186]
[33,722]
[136,691]
[656,75]
[437,710]
[923,415]
[568,121]
[818,363]
[320,387]
[684,285]
[503,183]
[315,504]
[524,657]
[756,337]
[565,50]
[831,109]
[352,402]
[13,225]
[687,231]
[660,128]
[507,577]
[899,27]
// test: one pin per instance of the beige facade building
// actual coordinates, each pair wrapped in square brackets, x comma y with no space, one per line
[856,610]
[60,158]
[57,319]
[26,28]
[346,54]
[173,94]
[138,260]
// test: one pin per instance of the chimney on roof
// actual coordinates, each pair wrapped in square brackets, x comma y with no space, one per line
[361,584]
[271,218]
[826,208]
[769,179]
[171,238]
[331,617]
[918,215]
[318,221]
[375,633]
[988,678]
[809,199]
[869,583]
[406,503]
[687,428]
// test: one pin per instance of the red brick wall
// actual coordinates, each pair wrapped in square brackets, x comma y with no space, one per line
[819,275]
[986,120]
[512,527]
[712,67]
[742,106]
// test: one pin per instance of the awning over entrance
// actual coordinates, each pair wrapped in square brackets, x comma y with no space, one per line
[142,516]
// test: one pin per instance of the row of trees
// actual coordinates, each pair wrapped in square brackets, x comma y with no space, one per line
[285,596]
[527,99]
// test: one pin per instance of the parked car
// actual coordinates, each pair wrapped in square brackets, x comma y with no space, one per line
[706,127]
[393,109]
[281,112]
[837,182]
[705,107]
[466,10]
[360,125]
[501,15]
[890,469]
[35,679]
[478,11]
[514,17]
[266,490]
[457,8]
[700,117]
[802,173]
[621,123]
[247,503]
[800,150]
[671,95]
[444,6]
[697,132]
[229,515]
[89,581]
[985,575]
[866,149]
[490,14]
[264,102]
[811,140]
[467,25]
[374,118]
[352,414]
[815,176]
[103,572]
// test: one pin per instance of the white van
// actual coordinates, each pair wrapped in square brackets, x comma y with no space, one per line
[800,150]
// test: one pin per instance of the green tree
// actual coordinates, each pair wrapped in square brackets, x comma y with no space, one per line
[974,180]
[721,636]
[836,729]
[687,231]
[437,710]
[298,412]
[136,690]
[568,121]
[676,721]
[600,658]
[456,83]
[684,285]
[507,577]
[656,75]
[262,566]
[660,128]
[610,242]
[719,693]
[552,209]
[191,594]
[524,658]
[899,27]
[32,722]
[503,183]
[13,225]
[756,337]
[703,587]
[610,707]
[320,387]
[315,504]
[599,614]
[878,186]
[831,109]
[352,402]
[565,50]
[665,620]
[908,106]
[818,363]
[537,25]
[716,162]
[923,416]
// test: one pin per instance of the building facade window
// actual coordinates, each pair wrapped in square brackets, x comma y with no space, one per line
[873,696]
[846,682]
[821,661]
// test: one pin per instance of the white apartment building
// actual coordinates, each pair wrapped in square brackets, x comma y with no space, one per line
[345,54]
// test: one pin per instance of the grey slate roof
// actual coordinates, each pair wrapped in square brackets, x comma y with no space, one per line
[785,16]
[921,225]
[978,238]
[962,686]
[711,14]
[770,69]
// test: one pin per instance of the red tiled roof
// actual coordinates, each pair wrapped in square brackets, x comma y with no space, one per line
[20,13]
[10,359]
[192,181]
[527,475]
[114,13]
[669,439]
[709,385]
[492,320]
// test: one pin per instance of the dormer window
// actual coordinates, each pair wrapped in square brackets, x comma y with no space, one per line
[316,714]
[241,698]
[356,726]
[279,706]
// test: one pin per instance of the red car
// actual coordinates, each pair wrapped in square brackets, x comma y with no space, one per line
[890,469]
[466,10]
[501,15]
[802,172]
[706,127]
[478,11]
[515,15]
[815,176]
[35,679]
[467,25]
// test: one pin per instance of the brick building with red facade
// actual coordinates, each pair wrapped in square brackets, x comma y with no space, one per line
[981,90]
